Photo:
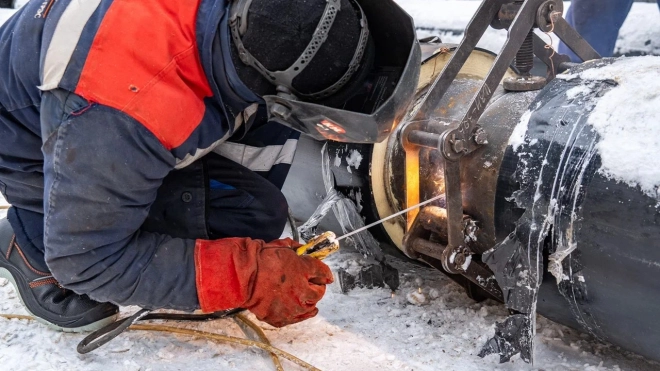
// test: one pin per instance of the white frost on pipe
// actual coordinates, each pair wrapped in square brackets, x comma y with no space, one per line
[518,136]
[354,159]
[337,160]
[577,91]
[627,118]
[467,262]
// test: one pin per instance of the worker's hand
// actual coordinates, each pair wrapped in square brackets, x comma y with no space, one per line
[269,279]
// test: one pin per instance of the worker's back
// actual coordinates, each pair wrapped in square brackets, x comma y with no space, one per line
[147,60]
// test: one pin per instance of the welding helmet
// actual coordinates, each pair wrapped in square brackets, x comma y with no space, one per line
[366,99]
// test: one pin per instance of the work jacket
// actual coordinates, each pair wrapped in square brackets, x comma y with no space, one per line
[101,100]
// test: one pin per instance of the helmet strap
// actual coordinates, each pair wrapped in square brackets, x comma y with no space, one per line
[239,24]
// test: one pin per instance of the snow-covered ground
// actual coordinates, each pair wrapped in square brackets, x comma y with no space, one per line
[640,32]
[363,330]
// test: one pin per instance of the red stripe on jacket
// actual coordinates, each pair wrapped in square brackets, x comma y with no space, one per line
[145,62]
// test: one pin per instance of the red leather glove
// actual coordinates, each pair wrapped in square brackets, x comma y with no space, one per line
[269,279]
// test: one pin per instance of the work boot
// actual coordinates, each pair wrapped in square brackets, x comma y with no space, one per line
[42,295]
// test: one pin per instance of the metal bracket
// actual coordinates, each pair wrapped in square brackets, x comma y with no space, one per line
[459,140]
[430,225]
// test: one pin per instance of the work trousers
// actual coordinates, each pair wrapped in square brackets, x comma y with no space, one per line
[599,22]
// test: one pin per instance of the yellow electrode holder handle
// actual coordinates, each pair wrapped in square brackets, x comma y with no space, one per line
[320,247]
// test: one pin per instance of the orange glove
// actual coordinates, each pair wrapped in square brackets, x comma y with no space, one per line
[269,279]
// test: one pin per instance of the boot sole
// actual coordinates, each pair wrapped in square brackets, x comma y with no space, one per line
[6,274]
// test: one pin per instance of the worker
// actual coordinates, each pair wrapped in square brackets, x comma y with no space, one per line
[599,22]
[139,158]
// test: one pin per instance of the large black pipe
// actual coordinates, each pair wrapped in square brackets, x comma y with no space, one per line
[610,285]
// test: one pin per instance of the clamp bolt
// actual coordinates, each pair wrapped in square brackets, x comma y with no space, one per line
[459,260]
[457,145]
[480,136]
[280,111]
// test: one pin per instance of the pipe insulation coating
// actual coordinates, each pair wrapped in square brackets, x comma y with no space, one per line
[588,230]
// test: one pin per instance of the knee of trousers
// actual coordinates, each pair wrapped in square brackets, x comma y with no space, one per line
[82,272]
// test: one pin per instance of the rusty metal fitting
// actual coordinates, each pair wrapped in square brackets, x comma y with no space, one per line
[480,136]
[424,139]
[524,83]
[457,145]
[280,111]
[547,15]
[455,259]
[506,15]
[428,248]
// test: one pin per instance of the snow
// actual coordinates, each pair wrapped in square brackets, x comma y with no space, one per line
[626,118]
[5,14]
[3,205]
[637,33]
[448,19]
[354,159]
[517,138]
[577,91]
[363,330]
[337,160]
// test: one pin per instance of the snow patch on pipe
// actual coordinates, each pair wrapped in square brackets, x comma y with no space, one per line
[577,91]
[337,160]
[354,159]
[626,118]
[518,136]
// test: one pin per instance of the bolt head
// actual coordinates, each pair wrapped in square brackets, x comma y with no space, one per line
[242,55]
[480,137]
[281,111]
[459,260]
[524,83]
[458,146]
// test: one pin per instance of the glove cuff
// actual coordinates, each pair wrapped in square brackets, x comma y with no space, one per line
[225,272]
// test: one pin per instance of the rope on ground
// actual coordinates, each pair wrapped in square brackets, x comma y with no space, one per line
[16,316]
[262,336]
[265,345]
[226,339]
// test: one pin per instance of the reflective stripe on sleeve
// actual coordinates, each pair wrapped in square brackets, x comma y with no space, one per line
[65,39]
[258,158]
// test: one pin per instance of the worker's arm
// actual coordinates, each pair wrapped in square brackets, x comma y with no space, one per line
[102,171]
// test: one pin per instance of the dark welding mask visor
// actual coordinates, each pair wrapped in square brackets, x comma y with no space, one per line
[373,111]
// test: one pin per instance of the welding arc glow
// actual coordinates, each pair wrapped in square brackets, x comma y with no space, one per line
[390,217]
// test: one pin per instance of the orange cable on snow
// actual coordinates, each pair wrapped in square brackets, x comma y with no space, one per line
[264,339]
[264,344]
[550,46]
[17,316]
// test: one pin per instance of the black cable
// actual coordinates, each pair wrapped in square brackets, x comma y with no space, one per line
[104,335]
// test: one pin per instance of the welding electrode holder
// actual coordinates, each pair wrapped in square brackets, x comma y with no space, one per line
[320,247]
